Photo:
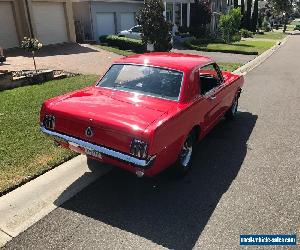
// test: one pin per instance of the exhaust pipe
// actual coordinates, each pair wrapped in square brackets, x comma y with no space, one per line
[139,173]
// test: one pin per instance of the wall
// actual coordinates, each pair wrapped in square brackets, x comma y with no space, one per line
[22,22]
[116,7]
[81,11]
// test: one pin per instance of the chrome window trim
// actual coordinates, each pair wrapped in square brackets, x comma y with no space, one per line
[136,64]
[100,149]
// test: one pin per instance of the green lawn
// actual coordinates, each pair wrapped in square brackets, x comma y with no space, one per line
[229,66]
[271,35]
[24,151]
[115,50]
[241,47]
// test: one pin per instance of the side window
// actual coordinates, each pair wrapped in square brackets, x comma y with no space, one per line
[209,77]
[136,29]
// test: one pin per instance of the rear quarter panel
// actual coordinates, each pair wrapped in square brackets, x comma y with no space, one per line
[170,131]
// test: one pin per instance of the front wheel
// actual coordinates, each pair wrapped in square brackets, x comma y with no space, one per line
[231,113]
[184,162]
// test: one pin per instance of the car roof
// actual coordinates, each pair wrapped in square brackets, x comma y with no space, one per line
[176,61]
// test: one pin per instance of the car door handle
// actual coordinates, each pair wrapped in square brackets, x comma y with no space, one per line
[212,97]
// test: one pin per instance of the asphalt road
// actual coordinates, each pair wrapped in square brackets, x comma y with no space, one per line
[245,180]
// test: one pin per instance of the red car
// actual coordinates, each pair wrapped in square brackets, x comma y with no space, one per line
[146,113]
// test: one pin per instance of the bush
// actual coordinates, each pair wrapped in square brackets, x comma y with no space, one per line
[266,26]
[230,24]
[297,27]
[124,43]
[155,29]
[236,37]
[246,33]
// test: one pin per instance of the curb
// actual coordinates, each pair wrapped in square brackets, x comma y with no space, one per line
[29,203]
[261,58]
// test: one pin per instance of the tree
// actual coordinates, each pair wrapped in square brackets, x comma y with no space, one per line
[254,18]
[247,19]
[154,28]
[243,13]
[31,45]
[200,17]
[230,24]
[282,7]
[235,3]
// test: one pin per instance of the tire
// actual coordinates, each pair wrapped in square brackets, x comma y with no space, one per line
[231,112]
[185,157]
[93,164]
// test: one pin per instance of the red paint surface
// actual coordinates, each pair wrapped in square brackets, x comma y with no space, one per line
[117,116]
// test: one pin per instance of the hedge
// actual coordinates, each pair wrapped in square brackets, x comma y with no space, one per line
[123,43]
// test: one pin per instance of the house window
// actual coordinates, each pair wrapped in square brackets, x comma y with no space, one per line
[169,12]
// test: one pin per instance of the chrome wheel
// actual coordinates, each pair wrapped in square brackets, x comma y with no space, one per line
[186,152]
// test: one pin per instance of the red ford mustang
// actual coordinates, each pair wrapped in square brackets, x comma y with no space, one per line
[146,113]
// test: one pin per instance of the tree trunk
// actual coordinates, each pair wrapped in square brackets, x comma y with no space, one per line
[254,16]
[235,3]
[284,26]
[34,61]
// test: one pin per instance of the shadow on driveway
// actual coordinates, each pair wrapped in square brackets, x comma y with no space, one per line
[52,50]
[170,212]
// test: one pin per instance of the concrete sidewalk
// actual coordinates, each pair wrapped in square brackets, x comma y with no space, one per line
[29,203]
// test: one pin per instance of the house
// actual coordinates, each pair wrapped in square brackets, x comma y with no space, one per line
[103,17]
[94,18]
[178,12]
[49,21]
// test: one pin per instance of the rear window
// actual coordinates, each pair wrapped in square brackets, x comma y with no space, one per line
[148,80]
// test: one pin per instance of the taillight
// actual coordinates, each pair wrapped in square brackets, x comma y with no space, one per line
[49,122]
[138,148]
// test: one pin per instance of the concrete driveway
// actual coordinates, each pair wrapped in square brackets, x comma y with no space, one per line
[245,180]
[69,57]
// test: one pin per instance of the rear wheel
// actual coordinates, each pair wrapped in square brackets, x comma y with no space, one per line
[231,113]
[184,162]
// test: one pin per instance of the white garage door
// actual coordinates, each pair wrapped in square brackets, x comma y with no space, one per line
[50,22]
[105,24]
[8,32]
[127,20]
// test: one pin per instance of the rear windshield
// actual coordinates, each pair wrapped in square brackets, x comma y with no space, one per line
[159,82]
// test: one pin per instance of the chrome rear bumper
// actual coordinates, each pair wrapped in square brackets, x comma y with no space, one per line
[100,149]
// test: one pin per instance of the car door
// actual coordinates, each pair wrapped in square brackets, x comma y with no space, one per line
[211,84]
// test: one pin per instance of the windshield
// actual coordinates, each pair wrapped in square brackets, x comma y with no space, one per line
[160,82]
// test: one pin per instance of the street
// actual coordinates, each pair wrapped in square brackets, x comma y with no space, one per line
[245,180]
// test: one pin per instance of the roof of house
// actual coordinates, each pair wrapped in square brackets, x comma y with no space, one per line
[170,60]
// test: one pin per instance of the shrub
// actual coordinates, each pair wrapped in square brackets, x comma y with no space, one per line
[266,25]
[155,29]
[297,27]
[230,23]
[31,45]
[124,43]
[246,33]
